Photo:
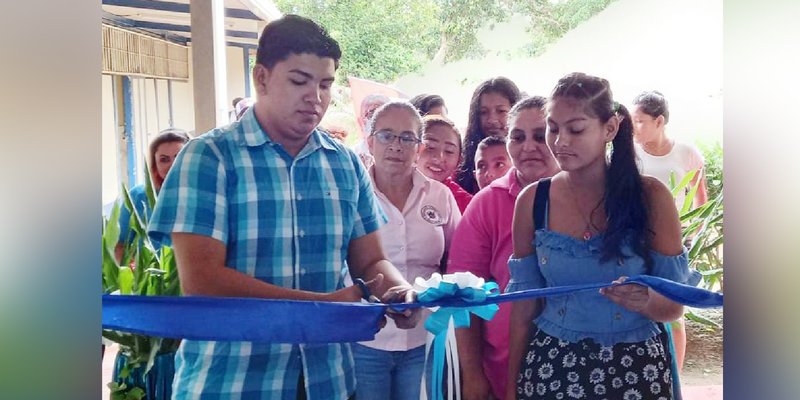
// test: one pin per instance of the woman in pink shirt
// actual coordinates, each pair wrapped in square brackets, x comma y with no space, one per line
[482,245]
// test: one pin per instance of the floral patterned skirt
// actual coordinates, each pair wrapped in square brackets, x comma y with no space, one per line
[556,369]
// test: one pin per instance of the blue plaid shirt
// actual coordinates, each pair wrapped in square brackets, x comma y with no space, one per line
[286,221]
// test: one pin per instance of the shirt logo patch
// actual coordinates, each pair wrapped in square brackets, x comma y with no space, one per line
[432,215]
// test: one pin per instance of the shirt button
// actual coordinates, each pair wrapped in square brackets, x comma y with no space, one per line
[402,247]
[617,316]
[544,260]
[399,222]
[299,197]
[561,312]
[302,271]
[302,233]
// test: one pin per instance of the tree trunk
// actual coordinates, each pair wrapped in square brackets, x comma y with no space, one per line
[438,58]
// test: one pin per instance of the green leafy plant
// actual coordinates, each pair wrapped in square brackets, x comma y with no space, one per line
[703,225]
[142,270]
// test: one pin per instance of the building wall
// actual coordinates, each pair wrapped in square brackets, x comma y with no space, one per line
[109,145]
[151,110]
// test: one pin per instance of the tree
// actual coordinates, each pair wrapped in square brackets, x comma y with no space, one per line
[553,19]
[460,20]
[379,40]
[382,40]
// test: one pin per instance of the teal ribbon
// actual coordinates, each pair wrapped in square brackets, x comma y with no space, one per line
[439,321]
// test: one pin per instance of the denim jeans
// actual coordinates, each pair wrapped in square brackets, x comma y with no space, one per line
[389,375]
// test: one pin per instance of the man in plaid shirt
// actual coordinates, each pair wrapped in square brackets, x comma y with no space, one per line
[270,207]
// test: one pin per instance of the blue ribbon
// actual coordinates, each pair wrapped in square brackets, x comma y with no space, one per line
[438,322]
[241,319]
[286,321]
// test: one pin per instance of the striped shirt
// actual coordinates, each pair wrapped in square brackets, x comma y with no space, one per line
[286,221]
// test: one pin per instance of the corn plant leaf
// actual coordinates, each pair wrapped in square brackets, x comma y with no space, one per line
[687,216]
[154,349]
[125,280]
[677,188]
[710,272]
[110,269]
[705,321]
[111,228]
[689,199]
[136,393]
[149,190]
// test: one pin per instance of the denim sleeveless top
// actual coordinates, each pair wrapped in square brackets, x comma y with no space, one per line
[562,260]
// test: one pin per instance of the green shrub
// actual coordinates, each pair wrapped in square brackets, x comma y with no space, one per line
[142,270]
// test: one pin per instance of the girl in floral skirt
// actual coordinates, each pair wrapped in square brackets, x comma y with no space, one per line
[598,220]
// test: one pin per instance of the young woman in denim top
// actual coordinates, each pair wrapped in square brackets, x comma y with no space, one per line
[602,222]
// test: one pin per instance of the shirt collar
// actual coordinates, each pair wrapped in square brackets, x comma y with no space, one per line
[508,182]
[418,181]
[252,135]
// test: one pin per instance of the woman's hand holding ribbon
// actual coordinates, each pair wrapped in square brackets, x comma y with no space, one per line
[632,297]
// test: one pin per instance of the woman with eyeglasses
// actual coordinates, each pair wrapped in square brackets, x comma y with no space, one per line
[422,215]
[482,245]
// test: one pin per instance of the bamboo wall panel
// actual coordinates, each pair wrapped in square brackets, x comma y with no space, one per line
[131,53]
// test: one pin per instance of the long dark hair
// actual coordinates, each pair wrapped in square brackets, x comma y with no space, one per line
[624,199]
[465,175]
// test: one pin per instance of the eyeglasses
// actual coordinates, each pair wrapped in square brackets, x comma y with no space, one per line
[387,137]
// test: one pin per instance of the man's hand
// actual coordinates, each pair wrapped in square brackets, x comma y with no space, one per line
[406,319]
[354,293]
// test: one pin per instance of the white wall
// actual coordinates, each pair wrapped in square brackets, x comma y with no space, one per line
[235,74]
[151,115]
[108,143]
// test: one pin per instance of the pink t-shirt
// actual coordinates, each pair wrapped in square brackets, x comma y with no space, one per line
[482,245]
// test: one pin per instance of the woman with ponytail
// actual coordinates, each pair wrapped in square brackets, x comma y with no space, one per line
[598,220]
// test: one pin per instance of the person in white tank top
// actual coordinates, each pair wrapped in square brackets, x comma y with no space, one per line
[659,155]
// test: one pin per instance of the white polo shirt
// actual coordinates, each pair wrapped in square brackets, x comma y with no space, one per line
[415,240]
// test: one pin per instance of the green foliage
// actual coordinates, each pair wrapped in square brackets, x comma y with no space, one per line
[379,40]
[383,40]
[120,391]
[142,271]
[713,168]
[702,226]
[552,20]
[460,20]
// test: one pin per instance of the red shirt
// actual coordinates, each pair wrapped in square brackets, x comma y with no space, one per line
[462,196]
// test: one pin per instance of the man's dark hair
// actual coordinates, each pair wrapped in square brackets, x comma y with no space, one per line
[293,34]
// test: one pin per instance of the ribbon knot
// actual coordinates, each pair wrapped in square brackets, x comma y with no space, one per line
[462,286]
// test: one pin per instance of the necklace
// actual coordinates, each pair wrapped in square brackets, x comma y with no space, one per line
[590,227]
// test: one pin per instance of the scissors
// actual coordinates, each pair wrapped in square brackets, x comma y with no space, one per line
[366,294]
